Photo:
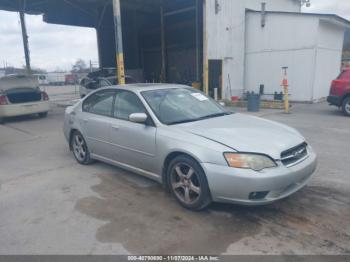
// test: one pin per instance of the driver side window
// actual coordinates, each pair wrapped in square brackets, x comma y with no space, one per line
[126,104]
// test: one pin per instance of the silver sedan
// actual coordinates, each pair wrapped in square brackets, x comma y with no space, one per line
[197,149]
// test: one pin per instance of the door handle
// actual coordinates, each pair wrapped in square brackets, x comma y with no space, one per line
[85,121]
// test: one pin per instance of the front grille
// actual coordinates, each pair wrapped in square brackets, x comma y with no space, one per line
[294,155]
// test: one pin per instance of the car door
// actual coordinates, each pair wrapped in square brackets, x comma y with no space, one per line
[96,121]
[132,143]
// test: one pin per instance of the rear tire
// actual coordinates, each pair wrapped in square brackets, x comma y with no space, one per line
[188,183]
[80,149]
[43,115]
[346,106]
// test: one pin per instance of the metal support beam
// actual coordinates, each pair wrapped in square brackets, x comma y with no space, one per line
[197,43]
[119,42]
[78,7]
[102,15]
[25,42]
[163,46]
[205,51]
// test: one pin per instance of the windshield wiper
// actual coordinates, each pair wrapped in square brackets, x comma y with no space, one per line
[183,121]
[200,118]
[214,115]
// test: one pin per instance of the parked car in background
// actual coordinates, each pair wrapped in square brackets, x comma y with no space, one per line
[340,92]
[56,78]
[21,95]
[71,79]
[88,84]
[42,79]
[200,151]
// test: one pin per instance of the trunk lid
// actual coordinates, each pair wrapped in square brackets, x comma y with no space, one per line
[20,89]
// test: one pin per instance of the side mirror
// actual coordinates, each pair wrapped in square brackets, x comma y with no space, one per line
[139,118]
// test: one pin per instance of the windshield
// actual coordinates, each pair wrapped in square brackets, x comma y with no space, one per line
[176,106]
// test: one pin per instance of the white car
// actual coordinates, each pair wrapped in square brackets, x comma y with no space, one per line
[21,95]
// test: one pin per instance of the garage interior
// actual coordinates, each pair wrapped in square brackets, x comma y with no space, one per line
[162,39]
[145,27]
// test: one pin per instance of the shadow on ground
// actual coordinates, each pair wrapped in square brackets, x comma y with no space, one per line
[145,219]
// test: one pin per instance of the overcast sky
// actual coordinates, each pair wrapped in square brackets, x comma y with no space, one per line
[51,46]
[54,46]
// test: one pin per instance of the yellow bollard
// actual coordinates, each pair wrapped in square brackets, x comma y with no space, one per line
[285,85]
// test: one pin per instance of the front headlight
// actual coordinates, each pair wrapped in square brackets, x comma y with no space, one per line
[249,161]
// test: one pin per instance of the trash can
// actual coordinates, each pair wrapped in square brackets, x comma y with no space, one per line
[253,102]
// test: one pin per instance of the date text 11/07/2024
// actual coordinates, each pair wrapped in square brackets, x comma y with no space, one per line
[173,258]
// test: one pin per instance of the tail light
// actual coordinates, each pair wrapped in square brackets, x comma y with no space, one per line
[3,100]
[45,96]
[337,87]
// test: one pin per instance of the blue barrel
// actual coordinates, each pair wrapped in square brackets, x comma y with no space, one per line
[253,102]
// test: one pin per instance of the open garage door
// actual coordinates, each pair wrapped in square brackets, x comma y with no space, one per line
[162,40]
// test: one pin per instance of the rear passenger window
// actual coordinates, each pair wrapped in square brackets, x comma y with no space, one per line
[100,103]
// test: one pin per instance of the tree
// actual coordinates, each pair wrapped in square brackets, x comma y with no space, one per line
[79,66]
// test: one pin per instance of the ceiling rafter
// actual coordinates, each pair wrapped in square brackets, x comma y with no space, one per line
[78,7]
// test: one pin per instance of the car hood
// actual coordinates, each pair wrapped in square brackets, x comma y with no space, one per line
[247,134]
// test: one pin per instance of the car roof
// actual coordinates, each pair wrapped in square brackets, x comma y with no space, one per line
[140,87]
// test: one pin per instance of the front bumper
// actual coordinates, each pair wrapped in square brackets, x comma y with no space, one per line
[236,185]
[24,109]
[334,100]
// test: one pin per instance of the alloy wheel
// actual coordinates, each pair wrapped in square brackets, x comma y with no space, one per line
[185,183]
[79,147]
[347,107]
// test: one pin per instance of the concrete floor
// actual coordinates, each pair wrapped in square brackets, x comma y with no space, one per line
[51,205]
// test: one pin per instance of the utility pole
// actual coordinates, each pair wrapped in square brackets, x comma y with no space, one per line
[119,42]
[163,45]
[25,42]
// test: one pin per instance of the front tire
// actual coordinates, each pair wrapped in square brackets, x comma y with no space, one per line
[346,106]
[188,183]
[80,149]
